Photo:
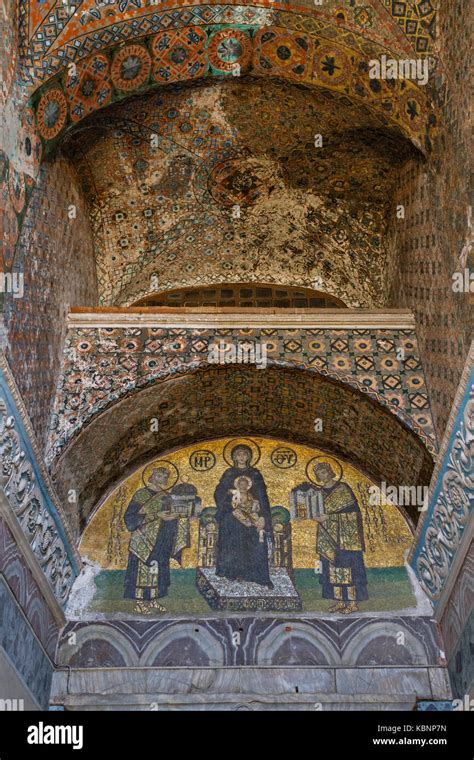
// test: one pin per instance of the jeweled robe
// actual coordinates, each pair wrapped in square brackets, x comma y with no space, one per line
[340,545]
[153,543]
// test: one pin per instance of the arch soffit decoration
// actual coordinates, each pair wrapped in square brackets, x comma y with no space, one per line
[218,402]
[147,48]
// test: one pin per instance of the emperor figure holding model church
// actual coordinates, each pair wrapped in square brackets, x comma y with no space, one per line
[340,538]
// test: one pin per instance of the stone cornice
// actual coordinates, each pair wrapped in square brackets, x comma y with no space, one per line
[219,318]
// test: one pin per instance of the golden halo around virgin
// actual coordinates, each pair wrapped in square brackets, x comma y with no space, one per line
[235,443]
[336,467]
[156,465]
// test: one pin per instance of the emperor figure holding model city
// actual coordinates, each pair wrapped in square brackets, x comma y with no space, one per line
[158,535]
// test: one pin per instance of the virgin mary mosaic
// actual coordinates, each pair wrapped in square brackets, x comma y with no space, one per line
[246,524]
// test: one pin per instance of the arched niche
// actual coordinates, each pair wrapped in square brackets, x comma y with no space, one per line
[217,402]
[127,530]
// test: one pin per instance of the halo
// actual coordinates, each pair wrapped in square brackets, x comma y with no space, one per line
[245,477]
[324,458]
[172,469]
[241,442]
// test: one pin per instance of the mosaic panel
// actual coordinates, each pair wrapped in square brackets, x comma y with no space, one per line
[434,241]
[52,32]
[246,524]
[279,401]
[282,45]
[55,258]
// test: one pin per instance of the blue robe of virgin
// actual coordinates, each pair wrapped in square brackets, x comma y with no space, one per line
[239,553]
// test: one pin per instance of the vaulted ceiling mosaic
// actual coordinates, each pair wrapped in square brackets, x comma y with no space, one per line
[223,182]
[83,58]
[79,57]
[54,32]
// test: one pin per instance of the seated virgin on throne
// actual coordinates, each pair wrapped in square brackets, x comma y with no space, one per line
[245,534]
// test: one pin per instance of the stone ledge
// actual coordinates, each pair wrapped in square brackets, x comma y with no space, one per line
[289,688]
[175,317]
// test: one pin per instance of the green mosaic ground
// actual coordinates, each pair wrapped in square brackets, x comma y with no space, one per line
[389,589]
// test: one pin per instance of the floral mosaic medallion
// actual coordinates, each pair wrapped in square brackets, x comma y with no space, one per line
[131,67]
[52,113]
[230,50]
[241,182]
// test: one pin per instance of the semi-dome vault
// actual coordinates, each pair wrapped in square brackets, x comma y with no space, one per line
[227,182]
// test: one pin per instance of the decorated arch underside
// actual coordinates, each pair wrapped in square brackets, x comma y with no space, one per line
[223,401]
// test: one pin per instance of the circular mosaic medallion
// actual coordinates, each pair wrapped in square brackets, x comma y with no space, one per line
[239,181]
[332,66]
[51,113]
[131,68]
[202,460]
[16,186]
[229,50]
[284,457]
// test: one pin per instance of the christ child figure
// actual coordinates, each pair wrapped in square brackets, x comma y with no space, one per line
[246,508]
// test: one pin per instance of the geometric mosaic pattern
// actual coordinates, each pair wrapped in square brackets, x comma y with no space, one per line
[52,31]
[103,365]
[417,20]
[163,172]
[302,48]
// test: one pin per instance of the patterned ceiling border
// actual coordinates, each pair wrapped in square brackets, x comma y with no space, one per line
[30,494]
[449,515]
[103,365]
[340,642]
[190,43]
[57,31]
